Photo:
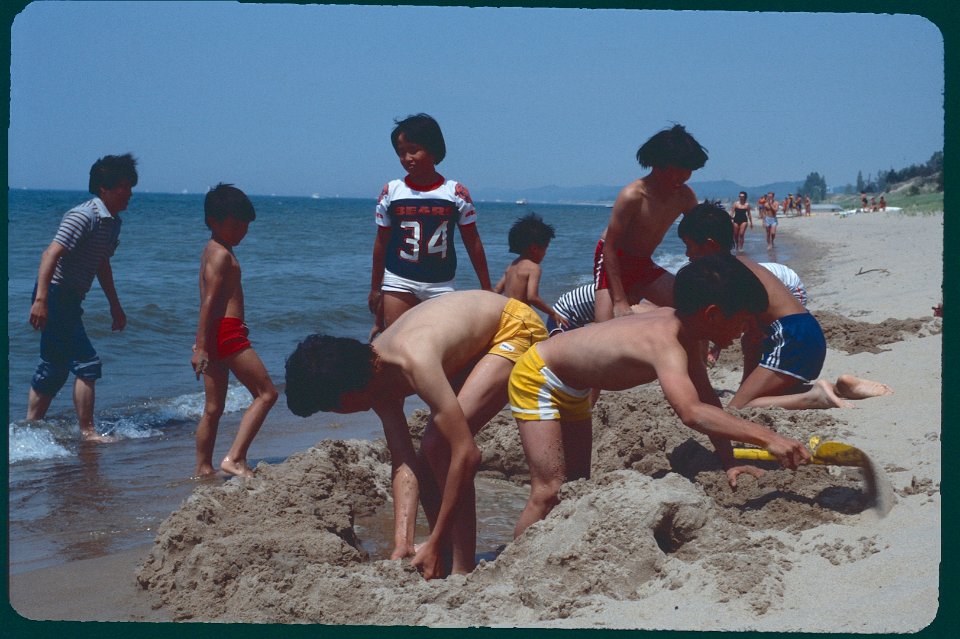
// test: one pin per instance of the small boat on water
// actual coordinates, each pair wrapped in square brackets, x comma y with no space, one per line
[521,202]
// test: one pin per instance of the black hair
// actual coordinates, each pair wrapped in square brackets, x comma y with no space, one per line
[423,130]
[322,368]
[707,221]
[110,170]
[529,230]
[226,200]
[672,147]
[719,279]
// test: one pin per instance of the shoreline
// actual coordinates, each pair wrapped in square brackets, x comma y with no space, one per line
[853,274]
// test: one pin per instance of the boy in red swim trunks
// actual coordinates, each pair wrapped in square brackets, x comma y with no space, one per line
[222,345]
[624,270]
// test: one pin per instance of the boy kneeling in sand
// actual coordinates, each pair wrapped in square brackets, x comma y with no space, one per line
[479,334]
[550,385]
[784,349]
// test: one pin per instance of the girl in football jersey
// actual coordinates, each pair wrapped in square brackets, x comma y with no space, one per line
[414,257]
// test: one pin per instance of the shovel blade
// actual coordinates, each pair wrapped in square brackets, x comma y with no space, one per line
[838,454]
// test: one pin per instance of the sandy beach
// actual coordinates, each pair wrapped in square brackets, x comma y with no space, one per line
[654,540]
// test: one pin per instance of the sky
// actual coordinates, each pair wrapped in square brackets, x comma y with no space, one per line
[300,99]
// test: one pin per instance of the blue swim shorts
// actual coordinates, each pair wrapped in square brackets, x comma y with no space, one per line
[64,345]
[795,345]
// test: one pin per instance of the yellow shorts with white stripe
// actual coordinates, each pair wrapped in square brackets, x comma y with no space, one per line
[520,328]
[536,394]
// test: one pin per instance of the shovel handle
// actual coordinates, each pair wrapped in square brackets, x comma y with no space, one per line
[756,454]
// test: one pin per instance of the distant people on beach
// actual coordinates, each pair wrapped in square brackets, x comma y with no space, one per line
[529,237]
[770,219]
[414,254]
[222,341]
[883,203]
[863,203]
[806,204]
[550,385]
[465,339]
[624,270]
[784,351]
[85,241]
[741,218]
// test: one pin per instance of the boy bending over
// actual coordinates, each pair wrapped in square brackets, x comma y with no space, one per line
[222,345]
[477,333]
[784,353]
[550,385]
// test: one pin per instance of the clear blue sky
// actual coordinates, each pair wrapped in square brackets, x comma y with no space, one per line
[293,99]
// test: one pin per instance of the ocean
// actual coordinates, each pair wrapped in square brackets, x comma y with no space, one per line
[306,269]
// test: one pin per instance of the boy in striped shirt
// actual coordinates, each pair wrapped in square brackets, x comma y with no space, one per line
[81,250]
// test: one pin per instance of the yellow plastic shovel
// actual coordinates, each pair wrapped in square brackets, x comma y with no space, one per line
[826,453]
[879,491]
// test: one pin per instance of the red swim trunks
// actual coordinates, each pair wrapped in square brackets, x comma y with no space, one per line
[634,270]
[231,337]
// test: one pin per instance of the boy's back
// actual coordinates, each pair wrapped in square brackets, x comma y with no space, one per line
[618,354]
[782,301]
[518,278]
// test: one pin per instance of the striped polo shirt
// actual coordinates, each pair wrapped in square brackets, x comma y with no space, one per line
[90,235]
[578,306]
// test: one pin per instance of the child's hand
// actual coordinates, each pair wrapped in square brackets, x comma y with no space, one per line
[561,320]
[791,453]
[734,471]
[200,361]
[375,302]
[38,314]
[427,561]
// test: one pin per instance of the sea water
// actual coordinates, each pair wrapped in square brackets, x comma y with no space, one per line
[306,269]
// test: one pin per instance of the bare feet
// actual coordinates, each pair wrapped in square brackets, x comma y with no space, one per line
[94,436]
[856,388]
[822,395]
[203,471]
[236,467]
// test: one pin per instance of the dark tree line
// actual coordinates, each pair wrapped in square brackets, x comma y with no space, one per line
[932,170]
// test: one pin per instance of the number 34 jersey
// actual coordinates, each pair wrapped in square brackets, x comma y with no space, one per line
[423,225]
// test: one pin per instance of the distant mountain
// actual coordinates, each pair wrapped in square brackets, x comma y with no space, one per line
[552,194]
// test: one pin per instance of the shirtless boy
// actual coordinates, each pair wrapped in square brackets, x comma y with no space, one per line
[222,346]
[770,219]
[529,237]
[550,385]
[624,270]
[784,350]
[476,332]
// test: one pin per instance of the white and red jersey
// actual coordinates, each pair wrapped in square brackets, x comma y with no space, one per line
[423,225]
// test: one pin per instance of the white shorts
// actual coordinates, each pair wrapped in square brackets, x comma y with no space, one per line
[421,290]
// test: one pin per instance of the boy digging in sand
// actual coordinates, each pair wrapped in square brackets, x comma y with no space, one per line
[529,237]
[784,350]
[550,385]
[222,345]
[428,351]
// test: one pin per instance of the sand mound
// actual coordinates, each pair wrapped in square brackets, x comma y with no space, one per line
[657,515]
[851,336]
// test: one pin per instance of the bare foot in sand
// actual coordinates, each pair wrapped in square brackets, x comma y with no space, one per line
[236,467]
[855,388]
[823,396]
[94,436]
[400,552]
[204,471]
